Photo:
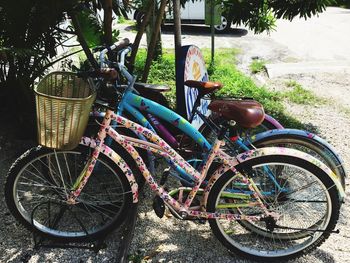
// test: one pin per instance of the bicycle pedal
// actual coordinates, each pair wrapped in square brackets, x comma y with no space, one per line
[165,176]
[158,206]
[201,221]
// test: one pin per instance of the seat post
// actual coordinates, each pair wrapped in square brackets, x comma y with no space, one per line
[196,104]
[222,131]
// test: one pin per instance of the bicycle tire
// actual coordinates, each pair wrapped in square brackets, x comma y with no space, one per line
[326,212]
[308,145]
[305,144]
[37,185]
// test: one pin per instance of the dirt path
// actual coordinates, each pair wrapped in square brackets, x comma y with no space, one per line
[333,123]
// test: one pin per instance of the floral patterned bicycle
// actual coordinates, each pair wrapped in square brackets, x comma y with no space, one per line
[78,193]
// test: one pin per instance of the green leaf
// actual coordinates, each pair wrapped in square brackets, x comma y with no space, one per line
[91,28]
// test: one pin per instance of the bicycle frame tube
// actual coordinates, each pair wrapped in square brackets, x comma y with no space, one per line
[161,112]
[124,104]
[159,146]
[131,100]
[139,116]
[169,116]
[168,137]
[273,122]
[116,158]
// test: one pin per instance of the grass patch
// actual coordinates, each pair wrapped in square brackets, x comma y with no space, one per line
[345,110]
[236,84]
[123,20]
[300,95]
[257,66]
[162,71]
[343,3]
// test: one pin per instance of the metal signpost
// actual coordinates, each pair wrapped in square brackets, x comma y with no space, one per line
[212,17]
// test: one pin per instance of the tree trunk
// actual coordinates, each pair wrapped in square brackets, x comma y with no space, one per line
[177,28]
[157,53]
[180,106]
[139,34]
[153,40]
[107,21]
[83,43]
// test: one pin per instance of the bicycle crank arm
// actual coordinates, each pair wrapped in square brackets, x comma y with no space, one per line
[311,230]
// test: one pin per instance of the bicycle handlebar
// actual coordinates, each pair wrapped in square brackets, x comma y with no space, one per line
[123,54]
[118,46]
[105,73]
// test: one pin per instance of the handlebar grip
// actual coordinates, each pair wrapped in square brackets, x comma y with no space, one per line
[118,46]
[121,44]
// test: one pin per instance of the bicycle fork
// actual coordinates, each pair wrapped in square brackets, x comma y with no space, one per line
[89,167]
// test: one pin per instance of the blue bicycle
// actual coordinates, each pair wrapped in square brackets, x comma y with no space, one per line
[235,142]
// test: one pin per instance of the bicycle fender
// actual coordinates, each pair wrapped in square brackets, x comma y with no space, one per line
[298,133]
[293,153]
[119,161]
[231,162]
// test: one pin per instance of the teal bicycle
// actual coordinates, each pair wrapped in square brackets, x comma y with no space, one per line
[189,149]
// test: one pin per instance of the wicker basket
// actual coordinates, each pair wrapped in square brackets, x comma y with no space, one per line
[63,104]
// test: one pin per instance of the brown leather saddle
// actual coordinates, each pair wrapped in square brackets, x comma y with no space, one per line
[204,87]
[246,113]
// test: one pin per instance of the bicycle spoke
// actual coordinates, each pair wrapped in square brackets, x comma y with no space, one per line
[60,172]
[34,183]
[44,197]
[68,170]
[101,210]
[39,177]
[51,170]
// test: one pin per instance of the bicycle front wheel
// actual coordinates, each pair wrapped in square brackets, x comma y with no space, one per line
[307,205]
[39,182]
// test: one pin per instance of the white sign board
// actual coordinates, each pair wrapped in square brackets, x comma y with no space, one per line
[195,70]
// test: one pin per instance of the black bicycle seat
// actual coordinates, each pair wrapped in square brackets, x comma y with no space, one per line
[151,87]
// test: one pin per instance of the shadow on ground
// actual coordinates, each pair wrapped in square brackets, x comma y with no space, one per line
[172,246]
[197,30]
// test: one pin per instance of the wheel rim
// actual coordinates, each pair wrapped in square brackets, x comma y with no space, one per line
[39,192]
[223,24]
[318,151]
[253,242]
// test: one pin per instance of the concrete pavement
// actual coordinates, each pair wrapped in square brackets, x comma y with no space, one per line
[326,37]
[318,44]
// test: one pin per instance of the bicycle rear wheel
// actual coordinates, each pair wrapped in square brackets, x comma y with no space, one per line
[302,143]
[307,205]
[309,146]
[36,192]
